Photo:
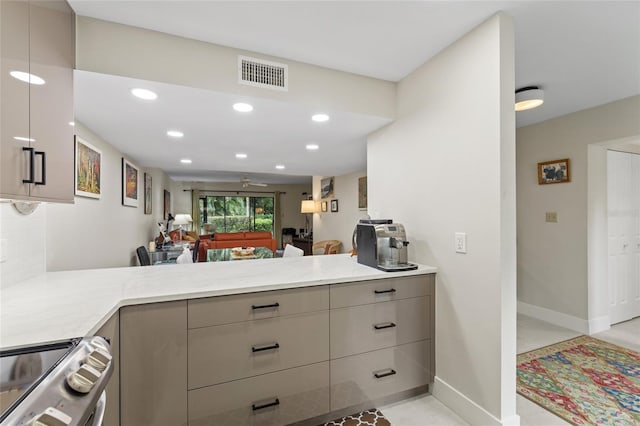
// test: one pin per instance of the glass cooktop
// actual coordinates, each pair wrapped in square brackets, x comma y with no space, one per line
[21,369]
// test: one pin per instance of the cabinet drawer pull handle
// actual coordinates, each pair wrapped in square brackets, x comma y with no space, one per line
[265,348]
[44,168]
[272,305]
[32,157]
[255,407]
[385,325]
[391,290]
[391,372]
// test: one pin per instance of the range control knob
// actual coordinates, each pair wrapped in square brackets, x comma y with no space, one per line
[51,417]
[83,379]
[98,359]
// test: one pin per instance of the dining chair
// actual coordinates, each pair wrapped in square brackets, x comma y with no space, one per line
[292,251]
[194,251]
[143,256]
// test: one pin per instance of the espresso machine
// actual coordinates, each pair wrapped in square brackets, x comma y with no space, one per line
[383,244]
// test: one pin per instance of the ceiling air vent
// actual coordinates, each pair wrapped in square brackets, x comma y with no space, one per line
[261,73]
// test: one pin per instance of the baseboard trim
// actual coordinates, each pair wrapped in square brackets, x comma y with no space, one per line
[596,325]
[554,317]
[471,412]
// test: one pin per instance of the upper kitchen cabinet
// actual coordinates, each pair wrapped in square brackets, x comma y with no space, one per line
[38,57]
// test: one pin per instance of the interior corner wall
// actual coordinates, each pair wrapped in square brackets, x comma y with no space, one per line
[338,225]
[441,168]
[102,233]
[553,261]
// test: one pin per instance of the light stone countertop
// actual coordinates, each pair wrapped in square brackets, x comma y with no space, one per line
[62,305]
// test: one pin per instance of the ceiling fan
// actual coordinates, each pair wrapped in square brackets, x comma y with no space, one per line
[246,182]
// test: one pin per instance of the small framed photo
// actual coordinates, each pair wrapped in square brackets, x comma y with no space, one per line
[88,169]
[334,206]
[555,171]
[323,206]
[130,191]
[326,187]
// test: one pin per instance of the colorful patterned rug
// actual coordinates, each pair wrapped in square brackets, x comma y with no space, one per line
[372,417]
[584,380]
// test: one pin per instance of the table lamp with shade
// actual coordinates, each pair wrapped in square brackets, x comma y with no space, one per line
[182,219]
[306,207]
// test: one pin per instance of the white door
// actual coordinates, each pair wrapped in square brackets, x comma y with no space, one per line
[623,198]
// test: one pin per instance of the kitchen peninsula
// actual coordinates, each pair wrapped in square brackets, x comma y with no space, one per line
[258,336]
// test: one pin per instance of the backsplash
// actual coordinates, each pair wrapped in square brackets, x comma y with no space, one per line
[25,244]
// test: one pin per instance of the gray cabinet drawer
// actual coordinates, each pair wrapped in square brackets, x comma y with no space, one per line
[233,351]
[301,393]
[245,307]
[380,325]
[342,295]
[404,367]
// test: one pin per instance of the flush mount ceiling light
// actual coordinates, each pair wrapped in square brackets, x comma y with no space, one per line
[529,97]
[72,123]
[185,161]
[241,155]
[280,166]
[145,94]
[320,118]
[242,107]
[27,78]
[312,147]
[175,133]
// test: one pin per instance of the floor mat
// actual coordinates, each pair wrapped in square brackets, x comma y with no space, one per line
[372,417]
[583,380]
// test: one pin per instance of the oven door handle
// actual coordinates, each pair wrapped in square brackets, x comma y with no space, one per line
[101,407]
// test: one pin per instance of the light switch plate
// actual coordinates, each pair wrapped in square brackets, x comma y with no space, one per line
[551,217]
[460,242]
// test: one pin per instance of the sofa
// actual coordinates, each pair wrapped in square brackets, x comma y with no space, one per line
[235,239]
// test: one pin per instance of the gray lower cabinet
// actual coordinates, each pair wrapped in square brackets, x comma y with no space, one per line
[111,330]
[153,364]
[277,357]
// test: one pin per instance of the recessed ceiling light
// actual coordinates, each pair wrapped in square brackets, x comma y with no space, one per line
[241,155]
[242,107]
[280,166]
[145,94]
[72,123]
[27,78]
[320,118]
[175,133]
[23,139]
[312,147]
[185,161]
[529,98]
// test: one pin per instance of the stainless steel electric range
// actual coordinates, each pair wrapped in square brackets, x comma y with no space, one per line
[55,384]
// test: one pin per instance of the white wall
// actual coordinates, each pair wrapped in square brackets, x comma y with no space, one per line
[340,225]
[554,269]
[446,165]
[102,233]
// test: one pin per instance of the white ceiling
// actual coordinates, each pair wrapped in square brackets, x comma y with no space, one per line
[582,53]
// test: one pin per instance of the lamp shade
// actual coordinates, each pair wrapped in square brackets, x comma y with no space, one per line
[308,206]
[183,219]
[528,98]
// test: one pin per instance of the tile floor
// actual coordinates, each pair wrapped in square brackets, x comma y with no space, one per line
[532,334]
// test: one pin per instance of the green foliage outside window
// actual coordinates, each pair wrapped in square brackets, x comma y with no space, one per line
[237,213]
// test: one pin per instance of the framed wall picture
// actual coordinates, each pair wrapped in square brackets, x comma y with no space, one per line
[326,187]
[334,206]
[362,193]
[323,206]
[555,171]
[166,202]
[130,191]
[88,167]
[147,193]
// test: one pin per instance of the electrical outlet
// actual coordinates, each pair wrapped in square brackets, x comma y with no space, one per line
[551,217]
[460,242]
[3,250]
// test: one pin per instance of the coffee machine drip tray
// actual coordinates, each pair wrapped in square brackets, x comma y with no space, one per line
[396,268]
